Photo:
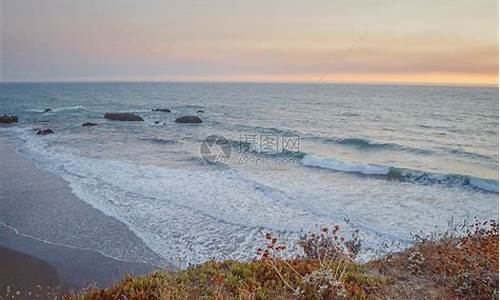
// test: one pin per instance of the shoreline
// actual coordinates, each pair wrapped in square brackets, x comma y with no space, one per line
[42,218]
[75,268]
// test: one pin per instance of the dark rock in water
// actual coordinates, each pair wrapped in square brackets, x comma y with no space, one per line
[8,119]
[47,110]
[162,109]
[188,119]
[123,117]
[44,131]
[157,122]
[89,124]
[200,111]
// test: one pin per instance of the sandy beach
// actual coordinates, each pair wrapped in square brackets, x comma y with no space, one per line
[27,263]
[45,231]
[25,276]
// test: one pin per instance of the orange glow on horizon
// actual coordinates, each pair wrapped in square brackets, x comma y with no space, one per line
[411,79]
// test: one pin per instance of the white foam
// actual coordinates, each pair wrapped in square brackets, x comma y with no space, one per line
[185,215]
[77,107]
[344,166]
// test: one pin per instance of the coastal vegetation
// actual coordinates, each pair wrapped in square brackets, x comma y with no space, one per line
[462,263]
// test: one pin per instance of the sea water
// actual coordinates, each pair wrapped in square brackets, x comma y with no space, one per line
[389,161]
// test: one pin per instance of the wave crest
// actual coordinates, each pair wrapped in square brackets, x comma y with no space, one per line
[403,175]
[77,107]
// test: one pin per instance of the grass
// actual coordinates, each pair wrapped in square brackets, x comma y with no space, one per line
[446,267]
[232,280]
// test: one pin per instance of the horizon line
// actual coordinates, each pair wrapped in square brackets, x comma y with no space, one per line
[401,83]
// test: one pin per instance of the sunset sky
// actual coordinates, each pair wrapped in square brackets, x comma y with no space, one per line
[453,42]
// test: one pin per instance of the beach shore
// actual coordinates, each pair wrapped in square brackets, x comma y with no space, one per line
[75,268]
[52,235]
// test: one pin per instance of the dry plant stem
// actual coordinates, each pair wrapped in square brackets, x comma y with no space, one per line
[279,274]
[284,260]
[319,257]
[293,269]
[219,290]
[343,271]
[321,248]
[288,264]
[337,269]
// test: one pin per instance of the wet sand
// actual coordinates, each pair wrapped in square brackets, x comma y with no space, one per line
[26,277]
[41,217]
[31,262]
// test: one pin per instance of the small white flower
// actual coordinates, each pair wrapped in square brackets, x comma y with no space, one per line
[298,291]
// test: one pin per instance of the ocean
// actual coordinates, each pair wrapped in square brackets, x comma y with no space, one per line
[390,161]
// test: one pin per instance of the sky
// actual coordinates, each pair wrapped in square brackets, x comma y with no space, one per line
[319,41]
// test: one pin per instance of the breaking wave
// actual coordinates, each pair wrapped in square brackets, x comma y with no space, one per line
[68,108]
[401,174]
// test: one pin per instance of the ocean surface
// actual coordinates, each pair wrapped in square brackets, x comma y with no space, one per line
[389,161]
